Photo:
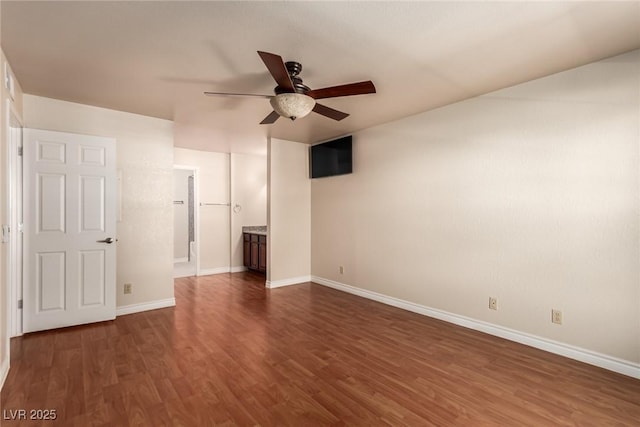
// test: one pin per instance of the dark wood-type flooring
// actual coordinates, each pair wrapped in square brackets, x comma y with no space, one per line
[234,353]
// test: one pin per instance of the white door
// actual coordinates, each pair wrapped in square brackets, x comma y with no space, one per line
[70,218]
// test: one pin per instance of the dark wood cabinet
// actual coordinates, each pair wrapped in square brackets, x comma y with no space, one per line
[255,251]
[262,253]
[253,263]
[246,250]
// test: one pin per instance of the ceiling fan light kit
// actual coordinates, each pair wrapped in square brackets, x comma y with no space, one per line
[292,105]
[293,99]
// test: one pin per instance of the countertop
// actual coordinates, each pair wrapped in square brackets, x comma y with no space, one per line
[255,229]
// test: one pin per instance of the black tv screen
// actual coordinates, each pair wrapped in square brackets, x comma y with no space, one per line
[331,158]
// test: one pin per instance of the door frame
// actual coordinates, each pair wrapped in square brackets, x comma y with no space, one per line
[196,211]
[15,215]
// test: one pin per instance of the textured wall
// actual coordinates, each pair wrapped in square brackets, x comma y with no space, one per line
[289,205]
[249,190]
[145,159]
[528,194]
[4,125]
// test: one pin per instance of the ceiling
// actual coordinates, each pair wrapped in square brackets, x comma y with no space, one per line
[157,58]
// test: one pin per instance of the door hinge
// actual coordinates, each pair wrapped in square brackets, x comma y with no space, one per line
[19,151]
[19,304]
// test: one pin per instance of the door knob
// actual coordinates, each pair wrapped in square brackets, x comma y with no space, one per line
[108,240]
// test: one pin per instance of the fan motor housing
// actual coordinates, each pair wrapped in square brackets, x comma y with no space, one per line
[294,69]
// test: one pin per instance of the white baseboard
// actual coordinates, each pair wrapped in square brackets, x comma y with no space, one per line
[145,306]
[4,370]
[620,366]
[177,260]
[210,271]
[287,282]
[217,270]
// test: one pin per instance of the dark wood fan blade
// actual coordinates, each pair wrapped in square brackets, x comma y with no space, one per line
[329,112]
[276,67]
[271,118]
[237,94]
[359,88]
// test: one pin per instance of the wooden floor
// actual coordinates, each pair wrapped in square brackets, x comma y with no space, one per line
[233,353]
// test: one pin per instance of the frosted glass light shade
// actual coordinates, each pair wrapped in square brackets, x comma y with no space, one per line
[292,105]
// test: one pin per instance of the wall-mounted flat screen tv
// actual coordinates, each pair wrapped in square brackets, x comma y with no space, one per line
[331,158]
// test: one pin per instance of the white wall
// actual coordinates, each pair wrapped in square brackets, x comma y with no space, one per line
[16,107]
[289,210]
[529,194]
[213,187]
[249,191]
[145,159]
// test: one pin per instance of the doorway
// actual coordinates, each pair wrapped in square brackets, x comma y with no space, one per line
[185,222]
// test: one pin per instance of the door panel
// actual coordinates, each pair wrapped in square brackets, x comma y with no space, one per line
[92,203]
[53,152]
[50,193]
[92,156]
[50,274]
[69,275]
[92,278]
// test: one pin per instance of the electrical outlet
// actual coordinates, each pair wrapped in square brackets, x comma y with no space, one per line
[556,316]
[493,303]
[127,288]
[341,270]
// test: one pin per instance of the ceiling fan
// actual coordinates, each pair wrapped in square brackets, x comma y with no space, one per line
[293,99]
